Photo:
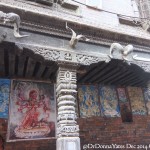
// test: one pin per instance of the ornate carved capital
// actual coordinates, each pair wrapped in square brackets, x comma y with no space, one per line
[87,60]
[62,56]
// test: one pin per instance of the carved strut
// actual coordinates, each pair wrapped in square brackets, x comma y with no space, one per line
[12,18]
[75,38]
[125,51]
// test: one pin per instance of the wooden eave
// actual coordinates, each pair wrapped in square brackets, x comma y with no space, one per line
[23,63]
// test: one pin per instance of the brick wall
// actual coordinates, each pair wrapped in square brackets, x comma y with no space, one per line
[93,130]
[113,131]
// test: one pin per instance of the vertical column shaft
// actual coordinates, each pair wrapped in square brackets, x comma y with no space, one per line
[67,128]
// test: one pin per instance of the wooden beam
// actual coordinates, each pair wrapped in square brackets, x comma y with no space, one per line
[93,72]
[101,73]
[21,64]
[40,71]
[30,67]
[110,74]
[11,64]
[128,79]
[137,82]
[50,70]
[113,77]
[2,64]
[90,70]
[121,76]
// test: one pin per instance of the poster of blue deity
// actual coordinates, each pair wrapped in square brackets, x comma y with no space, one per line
[32,111]
[147,99]
[4,97]
[88,101]
[137,100]
[109,101]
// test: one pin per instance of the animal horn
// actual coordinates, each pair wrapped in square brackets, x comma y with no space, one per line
[115,46]
[16,32]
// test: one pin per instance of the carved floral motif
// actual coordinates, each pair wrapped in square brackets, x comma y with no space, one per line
[48,53]
[87,60]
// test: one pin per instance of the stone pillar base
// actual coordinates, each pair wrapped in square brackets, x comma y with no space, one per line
[68,143]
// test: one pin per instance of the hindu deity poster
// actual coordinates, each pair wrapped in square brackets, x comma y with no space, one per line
[109,101]
[32,111]
[147,99]
[137,100]
[4,97]
[88,100]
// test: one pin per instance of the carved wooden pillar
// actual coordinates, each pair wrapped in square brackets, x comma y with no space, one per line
[67,128]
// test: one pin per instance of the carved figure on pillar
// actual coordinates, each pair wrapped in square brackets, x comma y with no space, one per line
[67,128]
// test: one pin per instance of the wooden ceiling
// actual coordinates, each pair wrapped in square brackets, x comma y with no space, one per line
[116,72]
[18,62]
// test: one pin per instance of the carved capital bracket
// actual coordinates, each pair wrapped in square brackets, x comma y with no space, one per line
[69,59]
[14,19]
[63,56]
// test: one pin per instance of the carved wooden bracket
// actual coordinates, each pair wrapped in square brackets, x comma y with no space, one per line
[12,18]
[65,57]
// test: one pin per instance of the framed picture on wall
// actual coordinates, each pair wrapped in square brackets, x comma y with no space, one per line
[4,97]
[109,101]
[137,100]
[147,99]
[88,101]
[32,111]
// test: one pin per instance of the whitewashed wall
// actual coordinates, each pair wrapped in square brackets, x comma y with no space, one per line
[123,7]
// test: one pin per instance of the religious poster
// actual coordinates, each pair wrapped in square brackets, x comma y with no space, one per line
[137,100]
[147,99]
[88,100]
[125,109]
[109,101]
[4,97]
[32,111]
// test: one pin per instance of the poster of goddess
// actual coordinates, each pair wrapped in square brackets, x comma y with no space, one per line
[147,99]
[32,111]
[88,101]
[109,101]
[4,97]
[137,101]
